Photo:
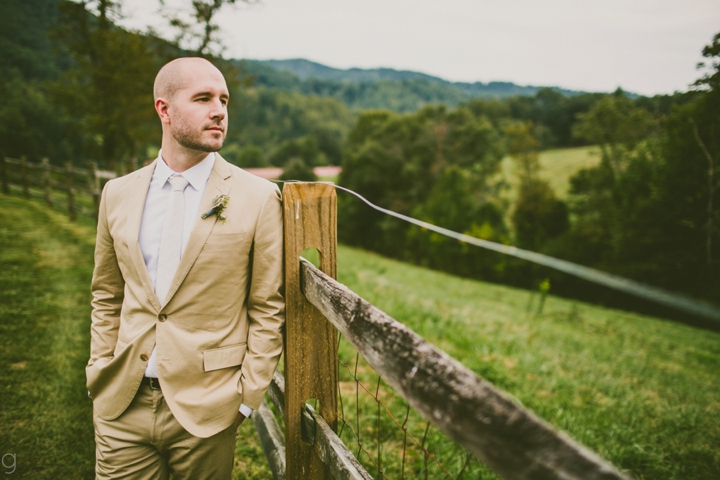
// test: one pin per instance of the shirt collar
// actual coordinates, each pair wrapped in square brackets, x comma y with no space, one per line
[197,176]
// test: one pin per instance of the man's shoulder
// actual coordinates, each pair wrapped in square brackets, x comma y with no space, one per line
[119,183]
[249,181]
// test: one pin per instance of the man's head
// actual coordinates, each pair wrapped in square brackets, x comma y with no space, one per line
[191,99]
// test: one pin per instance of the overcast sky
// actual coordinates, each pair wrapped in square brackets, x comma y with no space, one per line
[643,46]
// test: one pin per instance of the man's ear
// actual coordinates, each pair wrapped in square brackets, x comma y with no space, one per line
[161,107]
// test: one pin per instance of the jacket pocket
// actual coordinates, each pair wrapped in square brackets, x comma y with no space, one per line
[224,357]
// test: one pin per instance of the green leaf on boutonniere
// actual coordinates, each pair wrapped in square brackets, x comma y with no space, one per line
[218,208]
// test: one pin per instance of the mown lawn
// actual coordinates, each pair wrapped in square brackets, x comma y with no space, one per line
[643,392]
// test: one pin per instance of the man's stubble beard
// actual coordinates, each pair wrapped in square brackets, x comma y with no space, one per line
[186,136]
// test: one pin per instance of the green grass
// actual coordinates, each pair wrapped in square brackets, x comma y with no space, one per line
[640,391]
[556,166]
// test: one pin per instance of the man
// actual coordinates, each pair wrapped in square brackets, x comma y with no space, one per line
[187,294]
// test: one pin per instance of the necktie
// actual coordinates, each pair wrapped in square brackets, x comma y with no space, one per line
[171,239]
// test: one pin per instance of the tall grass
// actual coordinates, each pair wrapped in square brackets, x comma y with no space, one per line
[642,392]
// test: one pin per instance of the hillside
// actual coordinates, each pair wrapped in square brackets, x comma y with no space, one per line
[557,166]
[397,90]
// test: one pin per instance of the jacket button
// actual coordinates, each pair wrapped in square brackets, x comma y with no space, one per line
[162,317]
[143,357]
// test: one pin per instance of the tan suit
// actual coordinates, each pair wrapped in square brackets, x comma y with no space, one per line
[218,336]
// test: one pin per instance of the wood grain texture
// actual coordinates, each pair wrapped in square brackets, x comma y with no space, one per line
[271,439]
[340,462]
[310,218]
[505,436]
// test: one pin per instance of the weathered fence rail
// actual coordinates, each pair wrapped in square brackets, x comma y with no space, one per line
[509,439]
[81,187]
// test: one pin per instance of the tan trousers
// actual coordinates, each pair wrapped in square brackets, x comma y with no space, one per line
[146,442]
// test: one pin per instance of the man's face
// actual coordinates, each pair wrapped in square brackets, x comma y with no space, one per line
[198,112]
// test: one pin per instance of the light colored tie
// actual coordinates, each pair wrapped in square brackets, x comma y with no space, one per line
[171,239]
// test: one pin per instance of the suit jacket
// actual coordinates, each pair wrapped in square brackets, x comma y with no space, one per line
[219,336]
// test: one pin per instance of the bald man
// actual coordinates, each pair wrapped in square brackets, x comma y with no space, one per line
[187,290]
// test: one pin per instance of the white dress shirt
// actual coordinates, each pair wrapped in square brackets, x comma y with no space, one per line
[153,216]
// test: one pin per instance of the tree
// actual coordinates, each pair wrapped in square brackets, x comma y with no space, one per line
[617,126]
[538,215]
[297,169]
[109,82]
[197,31]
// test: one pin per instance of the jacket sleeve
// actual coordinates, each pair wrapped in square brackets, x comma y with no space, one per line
[107,291]
[265,302]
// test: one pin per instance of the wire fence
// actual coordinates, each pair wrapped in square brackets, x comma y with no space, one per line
[390,438]
[394,441]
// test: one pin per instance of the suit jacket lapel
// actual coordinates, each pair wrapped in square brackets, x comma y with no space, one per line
[136,205]
[201,231]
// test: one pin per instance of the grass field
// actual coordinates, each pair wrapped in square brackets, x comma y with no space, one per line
[643,392]
[556,166]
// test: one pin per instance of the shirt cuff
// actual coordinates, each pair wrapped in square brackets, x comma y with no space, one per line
[245,410]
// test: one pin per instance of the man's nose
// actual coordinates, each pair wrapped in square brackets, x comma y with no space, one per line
[218,111]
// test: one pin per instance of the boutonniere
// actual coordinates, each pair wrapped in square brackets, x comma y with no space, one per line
[218,208]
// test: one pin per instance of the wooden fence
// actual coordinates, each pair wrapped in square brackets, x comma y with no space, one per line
[81,187]
[505,436]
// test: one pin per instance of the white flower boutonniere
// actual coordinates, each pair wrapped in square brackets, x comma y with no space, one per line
[218,208]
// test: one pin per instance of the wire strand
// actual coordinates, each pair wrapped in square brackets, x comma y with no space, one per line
[616,282]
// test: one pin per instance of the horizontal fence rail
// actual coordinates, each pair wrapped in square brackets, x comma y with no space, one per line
[81,186]
[315,430]
[505,436]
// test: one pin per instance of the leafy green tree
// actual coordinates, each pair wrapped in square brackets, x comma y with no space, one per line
[438,164]
[297,169]
[538,215]
[109,80]
[267,117]
[304,148]
[617,126]
[649,211]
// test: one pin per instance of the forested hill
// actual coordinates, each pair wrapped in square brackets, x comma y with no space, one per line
[398,90]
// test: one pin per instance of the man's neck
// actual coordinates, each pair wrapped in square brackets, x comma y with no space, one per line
[181,159]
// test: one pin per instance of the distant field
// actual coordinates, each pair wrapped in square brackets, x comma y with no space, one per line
[642,392]
[557,166]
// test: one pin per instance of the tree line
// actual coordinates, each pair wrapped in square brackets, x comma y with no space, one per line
[648,210]
[78,87]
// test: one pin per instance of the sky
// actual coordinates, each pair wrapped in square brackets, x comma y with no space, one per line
[643,46]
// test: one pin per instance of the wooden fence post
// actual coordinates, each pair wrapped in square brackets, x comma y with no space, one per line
[46,181]
[24,177]
[310,217]
[70,192]
[4,174]
[95,187]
